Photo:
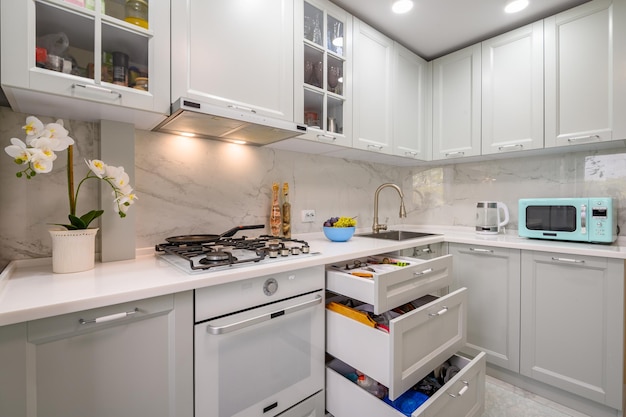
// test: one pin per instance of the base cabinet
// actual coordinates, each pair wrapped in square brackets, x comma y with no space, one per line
[128,359]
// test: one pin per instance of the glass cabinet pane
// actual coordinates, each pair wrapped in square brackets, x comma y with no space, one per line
[334,121]
[313,21]
[64,40]
[127,54]
[313,109]
[334,75]
[334,35]
[313,67]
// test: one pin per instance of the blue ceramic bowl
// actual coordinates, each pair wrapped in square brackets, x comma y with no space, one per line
[339,234]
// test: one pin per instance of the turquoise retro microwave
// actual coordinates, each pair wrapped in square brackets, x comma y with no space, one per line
[592,219]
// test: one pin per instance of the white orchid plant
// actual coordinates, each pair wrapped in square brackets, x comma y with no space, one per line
[38,154]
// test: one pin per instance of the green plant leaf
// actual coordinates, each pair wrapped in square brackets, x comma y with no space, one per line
[90,216]
[76,222]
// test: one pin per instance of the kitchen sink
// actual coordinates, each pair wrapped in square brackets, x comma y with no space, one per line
[396,235]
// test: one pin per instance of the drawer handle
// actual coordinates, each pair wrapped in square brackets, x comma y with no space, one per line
[441,312]
[110,317]
[461,391]
[455,154]
[248,109]
[97,88]
[573,261]
[327,137]
[479,250]
[376,147]
[424,272]
[511,146]
[581,138]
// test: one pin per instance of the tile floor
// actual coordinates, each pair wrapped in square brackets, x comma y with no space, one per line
[505,400]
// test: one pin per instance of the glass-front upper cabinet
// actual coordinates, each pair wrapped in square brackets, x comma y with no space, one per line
[323,73]
[100,54]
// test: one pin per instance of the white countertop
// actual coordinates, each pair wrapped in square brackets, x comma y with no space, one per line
[29,290]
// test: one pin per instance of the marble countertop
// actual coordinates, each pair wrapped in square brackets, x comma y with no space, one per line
[30,291]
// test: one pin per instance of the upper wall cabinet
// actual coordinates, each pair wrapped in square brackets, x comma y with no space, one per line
[67,59]
[235,53]
[411,105]
[372,89]
[323,71]
[579,75]
[512,91]
[456,104]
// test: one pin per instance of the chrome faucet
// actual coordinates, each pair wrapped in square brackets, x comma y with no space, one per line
[378,227]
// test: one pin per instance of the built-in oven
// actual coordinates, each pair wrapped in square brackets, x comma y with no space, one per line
[259,346]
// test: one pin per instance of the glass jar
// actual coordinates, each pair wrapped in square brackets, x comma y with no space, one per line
[137,13]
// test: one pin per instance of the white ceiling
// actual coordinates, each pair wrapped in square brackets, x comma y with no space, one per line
[436,27]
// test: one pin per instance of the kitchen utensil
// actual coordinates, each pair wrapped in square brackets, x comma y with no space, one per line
[488,219]
[210,238]
[331,125]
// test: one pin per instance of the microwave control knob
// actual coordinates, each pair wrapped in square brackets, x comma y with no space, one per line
[270,287]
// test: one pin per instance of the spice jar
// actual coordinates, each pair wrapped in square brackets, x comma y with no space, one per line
[137,13]
[120,68]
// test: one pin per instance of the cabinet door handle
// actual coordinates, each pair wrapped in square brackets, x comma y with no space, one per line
[573,261]
[509,147]
[454,154]
[248,109]
[327,137]
[110,317]
[409,153]
[441,312]
[581,138]
[479,250]
[377,147]
[461,391]
[424,272]
[97,88]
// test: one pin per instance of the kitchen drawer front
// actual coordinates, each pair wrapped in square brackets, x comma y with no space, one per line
[388,290]
[417,342]
[462,396]
[311,407]
[57,327]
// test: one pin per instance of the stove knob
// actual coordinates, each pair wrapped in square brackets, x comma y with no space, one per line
[295,251]
[284,252]
[270,286]
[306,249]
[273,253]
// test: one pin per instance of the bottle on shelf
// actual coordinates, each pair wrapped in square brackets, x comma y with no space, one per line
[275,217]
[286,212]
[370,385]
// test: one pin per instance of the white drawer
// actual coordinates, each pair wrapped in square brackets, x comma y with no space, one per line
[462,396]
[389,286]
[417,342]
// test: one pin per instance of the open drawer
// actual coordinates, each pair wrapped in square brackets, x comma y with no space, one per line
[462,396]
[389,285]
[417,341]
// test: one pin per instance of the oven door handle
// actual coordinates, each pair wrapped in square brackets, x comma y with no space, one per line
[241,324]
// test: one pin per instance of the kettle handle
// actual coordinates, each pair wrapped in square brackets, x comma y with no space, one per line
[505,209]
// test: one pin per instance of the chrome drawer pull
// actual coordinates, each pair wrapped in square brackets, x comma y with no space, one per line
[231,327]
[377,147]
[110,317]
[327,137]
[97,88]
[454,154]
[479,250]
[461,391]
[232,106]
[574,261]
[441,312]
[579,138]
[512,146]
[424,272]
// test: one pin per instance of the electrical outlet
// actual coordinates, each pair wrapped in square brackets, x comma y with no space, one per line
[308,216]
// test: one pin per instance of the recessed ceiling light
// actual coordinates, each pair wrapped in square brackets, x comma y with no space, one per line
[187,134]
[514,6]
[401,6]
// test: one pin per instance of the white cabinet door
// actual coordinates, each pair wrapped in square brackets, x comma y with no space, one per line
[84,88]
[131,359]
[372,89]
[411,104]
[512,91]
[579,75]
[234,53]
[492,276]
[456,104]
[572,328]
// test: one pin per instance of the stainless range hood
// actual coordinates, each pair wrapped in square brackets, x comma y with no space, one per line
[229,124]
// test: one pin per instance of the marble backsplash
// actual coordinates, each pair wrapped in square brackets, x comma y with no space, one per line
[202,186]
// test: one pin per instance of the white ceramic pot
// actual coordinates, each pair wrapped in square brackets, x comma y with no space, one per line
[73,250]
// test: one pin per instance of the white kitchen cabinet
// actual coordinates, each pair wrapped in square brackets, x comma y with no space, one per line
[579,75]
[133,358]
[76,80]
[492,276]
[456,104]
[235,53]
[372,111]
[512,91]
[418,340]
[323,71]
[572,324]
[411,104]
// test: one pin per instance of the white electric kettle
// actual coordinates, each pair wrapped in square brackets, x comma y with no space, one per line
[488,220]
